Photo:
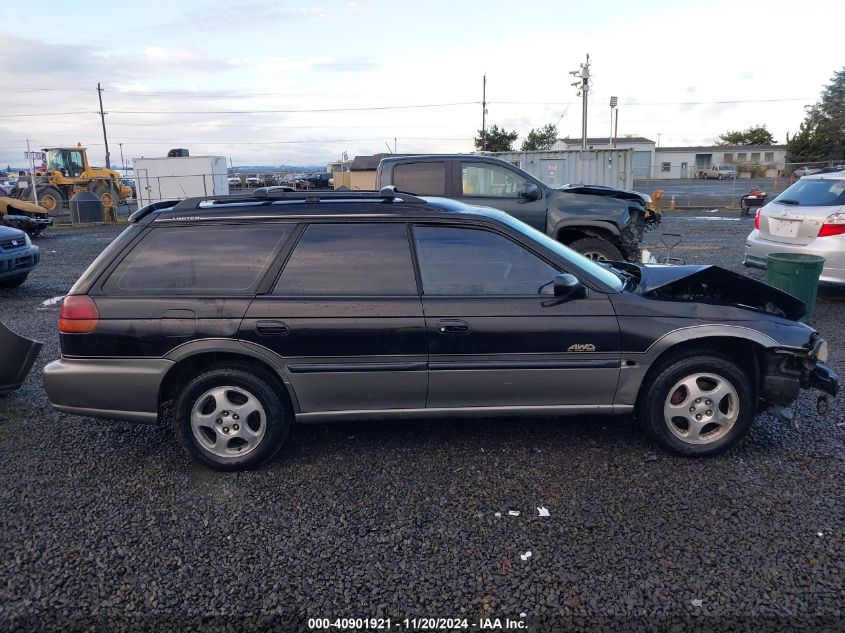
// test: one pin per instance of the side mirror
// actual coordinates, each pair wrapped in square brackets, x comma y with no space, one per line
[530,191]
[568,287]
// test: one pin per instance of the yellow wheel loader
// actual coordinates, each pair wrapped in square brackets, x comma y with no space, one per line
[67,173]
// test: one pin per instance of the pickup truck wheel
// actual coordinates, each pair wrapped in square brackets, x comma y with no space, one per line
[698,404]
[14,282]
[597,249]
[231,418]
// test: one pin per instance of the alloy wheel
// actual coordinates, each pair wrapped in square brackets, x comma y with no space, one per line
[228,421]
[701,408]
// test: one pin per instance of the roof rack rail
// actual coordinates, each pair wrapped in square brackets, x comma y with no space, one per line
[269,194]
[143,212]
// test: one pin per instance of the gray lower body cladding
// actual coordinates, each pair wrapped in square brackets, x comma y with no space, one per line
[123,389]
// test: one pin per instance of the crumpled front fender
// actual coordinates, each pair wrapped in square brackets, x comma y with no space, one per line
[16,357]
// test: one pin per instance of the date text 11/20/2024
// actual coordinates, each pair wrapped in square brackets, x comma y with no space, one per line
[416,624]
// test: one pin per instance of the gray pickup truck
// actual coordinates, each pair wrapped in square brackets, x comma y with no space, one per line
[600,222]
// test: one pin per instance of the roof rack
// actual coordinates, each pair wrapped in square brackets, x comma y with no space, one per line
[270,194]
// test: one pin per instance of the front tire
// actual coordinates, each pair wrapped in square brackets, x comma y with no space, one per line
[231,417]
[697,404]
[50,198]
[597,249]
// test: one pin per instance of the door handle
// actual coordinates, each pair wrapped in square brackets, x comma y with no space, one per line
[453,327]
[271,327]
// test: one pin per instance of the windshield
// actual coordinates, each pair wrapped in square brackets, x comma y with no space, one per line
[816,192]
[578,261]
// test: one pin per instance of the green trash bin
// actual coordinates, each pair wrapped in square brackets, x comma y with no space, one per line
[798,275]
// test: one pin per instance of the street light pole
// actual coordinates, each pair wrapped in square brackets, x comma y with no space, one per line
[611,140]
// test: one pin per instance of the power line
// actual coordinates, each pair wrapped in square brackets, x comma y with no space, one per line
[309,110]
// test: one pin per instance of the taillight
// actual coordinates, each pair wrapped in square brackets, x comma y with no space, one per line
[833,225]
[757,219]
[78,315]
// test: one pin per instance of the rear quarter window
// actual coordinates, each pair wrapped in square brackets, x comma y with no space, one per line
[424,179]
[197,260]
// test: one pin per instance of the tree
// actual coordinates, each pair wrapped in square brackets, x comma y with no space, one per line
[496,140]
[754,135]
[539,140]
[822,134]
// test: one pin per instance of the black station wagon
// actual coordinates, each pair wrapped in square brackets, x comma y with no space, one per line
[231,318]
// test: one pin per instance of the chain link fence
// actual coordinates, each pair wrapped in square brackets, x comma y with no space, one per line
[688,187]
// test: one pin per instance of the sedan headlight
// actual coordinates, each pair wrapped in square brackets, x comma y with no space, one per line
[27,239]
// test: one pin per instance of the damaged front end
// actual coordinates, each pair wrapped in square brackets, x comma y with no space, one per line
[798,362]
[787,370]
[17,354]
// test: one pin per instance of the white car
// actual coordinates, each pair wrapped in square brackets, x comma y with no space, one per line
[805,171]
[807,218]
[253,181]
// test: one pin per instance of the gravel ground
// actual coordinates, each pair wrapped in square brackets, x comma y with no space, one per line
[109,526]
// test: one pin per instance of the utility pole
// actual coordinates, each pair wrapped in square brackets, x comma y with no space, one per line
[103,120]
[31,156]
[122,162]
[484,114]
[583,85]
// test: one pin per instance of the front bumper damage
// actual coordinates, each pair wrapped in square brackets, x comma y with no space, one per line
[788,370]
[16,357]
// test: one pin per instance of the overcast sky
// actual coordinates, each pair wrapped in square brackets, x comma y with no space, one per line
[227,78]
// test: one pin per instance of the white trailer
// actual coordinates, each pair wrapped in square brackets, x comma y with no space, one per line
[177,178]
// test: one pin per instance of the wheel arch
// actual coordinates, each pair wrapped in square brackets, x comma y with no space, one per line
[568,232]
[744,346]
[189,362]
[745,351]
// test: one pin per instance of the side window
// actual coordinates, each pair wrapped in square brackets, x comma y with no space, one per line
[77,165]
[370,259]
[490,181]
[462,261]
[424,179]
[197,260]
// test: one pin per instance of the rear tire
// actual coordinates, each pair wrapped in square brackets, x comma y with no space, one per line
[597,249]
[14,282]
[230,417]
[697,404]
[105,193]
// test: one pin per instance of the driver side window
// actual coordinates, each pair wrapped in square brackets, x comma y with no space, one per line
[464,261]
[490,181]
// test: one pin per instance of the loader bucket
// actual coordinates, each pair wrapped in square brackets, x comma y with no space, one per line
[16,357]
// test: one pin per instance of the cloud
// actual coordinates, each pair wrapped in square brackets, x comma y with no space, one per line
[747,75]
[243,14]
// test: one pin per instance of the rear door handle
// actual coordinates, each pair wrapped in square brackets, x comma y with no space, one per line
[453,327]
[271,327]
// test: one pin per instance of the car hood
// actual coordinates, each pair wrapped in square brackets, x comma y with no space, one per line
[610,192]
[713,284]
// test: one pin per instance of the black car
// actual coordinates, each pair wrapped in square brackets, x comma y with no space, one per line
[231,318]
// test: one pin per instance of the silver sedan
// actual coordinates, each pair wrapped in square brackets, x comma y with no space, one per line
[808,218]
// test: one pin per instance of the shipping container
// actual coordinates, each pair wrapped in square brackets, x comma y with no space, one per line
[607,167]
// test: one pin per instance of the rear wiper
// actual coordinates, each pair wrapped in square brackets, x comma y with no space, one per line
[788,201]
